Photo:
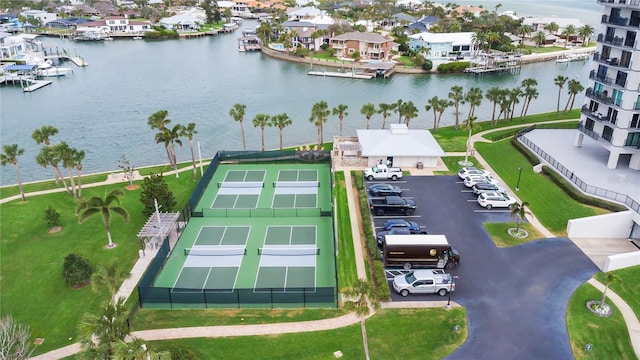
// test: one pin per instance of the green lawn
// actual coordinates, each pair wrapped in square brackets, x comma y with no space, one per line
[33,290]
[347,273]
[628,287]
[498,232]
[608,336]
[392,334]
[452,164]
[536,189]
[544,49]
[452,140]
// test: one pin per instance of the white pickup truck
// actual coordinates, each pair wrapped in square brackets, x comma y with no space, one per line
[382,172]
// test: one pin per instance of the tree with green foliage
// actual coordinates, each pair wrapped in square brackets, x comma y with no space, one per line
[529,93]
[136,349]
[100,331]
[188,132]
[76,270]
[50,156]
[341,111]
[52,217]
[384,109]
[409,111]
[397,108]
[514,98]
[169,137]
[68,158]
[552,27]
[574,88]
[16,339]
[228,14]
[111,277]
[106,207]
[281,121]
[518,212]
[368,110]
[158,120]
[539,38]
[469,124]
[585,32]
[473,97]
[78,157]
[559,81]
[237,112]
[611,278]
[319,114]
[10,156]
[457,95]
[262,121]
[43,136]
[493,94]
[568,32]
[524,31]
[155,188]
[439,106]
[361,299]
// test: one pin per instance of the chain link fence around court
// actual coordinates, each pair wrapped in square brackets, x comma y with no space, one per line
[568,174]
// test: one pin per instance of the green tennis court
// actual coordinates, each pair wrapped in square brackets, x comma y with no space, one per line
[235,201]
[245,175]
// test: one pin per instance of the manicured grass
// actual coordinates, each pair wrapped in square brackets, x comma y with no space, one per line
[452,164]
[628,287]
[406,61]
[536,189]
[498,232]
[392,334]
[544,49]
[608,336]
[173,318]
[452,140]
[347,272]
[33,290]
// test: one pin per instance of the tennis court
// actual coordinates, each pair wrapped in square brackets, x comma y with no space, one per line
[296,189]
[240,189]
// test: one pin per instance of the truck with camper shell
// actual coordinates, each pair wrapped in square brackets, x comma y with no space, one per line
[426,281]
[382,172]
[392,205]
[411,251]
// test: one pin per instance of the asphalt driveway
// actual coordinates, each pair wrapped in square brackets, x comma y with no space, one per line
[516,297]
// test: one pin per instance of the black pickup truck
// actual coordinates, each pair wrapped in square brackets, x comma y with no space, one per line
[392,204]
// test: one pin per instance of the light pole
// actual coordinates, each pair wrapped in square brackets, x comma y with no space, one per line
[518,183]
[453,287]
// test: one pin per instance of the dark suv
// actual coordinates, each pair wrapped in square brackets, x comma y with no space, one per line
[392,204]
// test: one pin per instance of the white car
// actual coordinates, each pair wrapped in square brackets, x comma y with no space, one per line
[471,180]
[434,281]
[492,199]
[466,171]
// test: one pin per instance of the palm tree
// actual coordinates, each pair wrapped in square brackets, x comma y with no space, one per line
[105,207]
[79,156]
[188,132]
[67,155]
[474,98]
[585,32]
[514,98]
[237,112]
[10,156]
[518,212]
[492,37]
[384,110]
[574,87]
[158,120]
[493,95]
[539,38]
[99,332]
[319,114]
[341,111]
[523,31]
[362,298]
[530,92]
[111,277]
[49,156]
[559,81]
[367,110]
[262,120]
[456,94]
[169,137]
[469,124]
[552,27]
[410,111]
[135,349]
[397,107]
[567,33]
[611,278]
[43,136]
[281,121]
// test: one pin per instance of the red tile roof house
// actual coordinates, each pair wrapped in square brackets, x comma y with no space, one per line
[369,45]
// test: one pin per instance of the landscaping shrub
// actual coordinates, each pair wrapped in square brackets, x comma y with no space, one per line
[367,223]
[380,277]
[52,216]
[428,65]
[533,159]
[453,67]
[76,270]
[182,353]
[155,187]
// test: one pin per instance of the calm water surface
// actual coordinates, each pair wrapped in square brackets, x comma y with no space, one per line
[103,108]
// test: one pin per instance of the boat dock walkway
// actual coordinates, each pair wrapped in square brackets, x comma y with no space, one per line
[349,74]
[28,83]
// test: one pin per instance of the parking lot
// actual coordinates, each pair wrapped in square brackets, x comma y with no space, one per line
[515,297]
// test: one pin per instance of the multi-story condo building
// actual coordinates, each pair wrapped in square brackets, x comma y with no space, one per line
[611,113]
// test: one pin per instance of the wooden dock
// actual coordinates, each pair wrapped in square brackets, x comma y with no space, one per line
[349,74]
[496,64]
[28,83]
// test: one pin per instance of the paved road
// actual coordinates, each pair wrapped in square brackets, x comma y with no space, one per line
[516,297]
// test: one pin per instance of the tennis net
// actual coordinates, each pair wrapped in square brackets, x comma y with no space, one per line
[240,184]
[289,251]
[215,251]
[296,184]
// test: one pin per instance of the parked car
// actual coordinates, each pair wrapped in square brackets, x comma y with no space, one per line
[382,172]
[424,282]
[466,171]
[483,187]
[384,190]
[393,231]
[471,180]
[392,204]
[491,200]
[402,223]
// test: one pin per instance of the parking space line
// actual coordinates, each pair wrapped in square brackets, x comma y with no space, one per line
[472,200]
[492,211]
[466,191]
[396,216]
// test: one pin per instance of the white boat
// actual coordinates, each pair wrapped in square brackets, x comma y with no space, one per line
[138,38]
[48,70]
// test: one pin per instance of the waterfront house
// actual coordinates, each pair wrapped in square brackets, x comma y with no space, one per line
[122,24]
[42,16]
[399,19]
[422,25]
[473,10]
[98,27]
[443,44]
[368,45]
[305,29]
[538,23]
[66,23]
[304,13]
[11,45]
[182,22]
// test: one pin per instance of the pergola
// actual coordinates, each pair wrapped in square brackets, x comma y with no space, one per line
[158,226]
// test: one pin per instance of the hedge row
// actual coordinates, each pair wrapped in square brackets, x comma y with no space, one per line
[458,66]
[380,276]
[564,184]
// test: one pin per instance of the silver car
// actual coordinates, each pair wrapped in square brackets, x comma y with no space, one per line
[424,282]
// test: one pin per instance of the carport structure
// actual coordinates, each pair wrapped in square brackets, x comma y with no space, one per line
[157,228]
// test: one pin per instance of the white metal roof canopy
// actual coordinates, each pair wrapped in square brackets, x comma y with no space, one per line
[159,224]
